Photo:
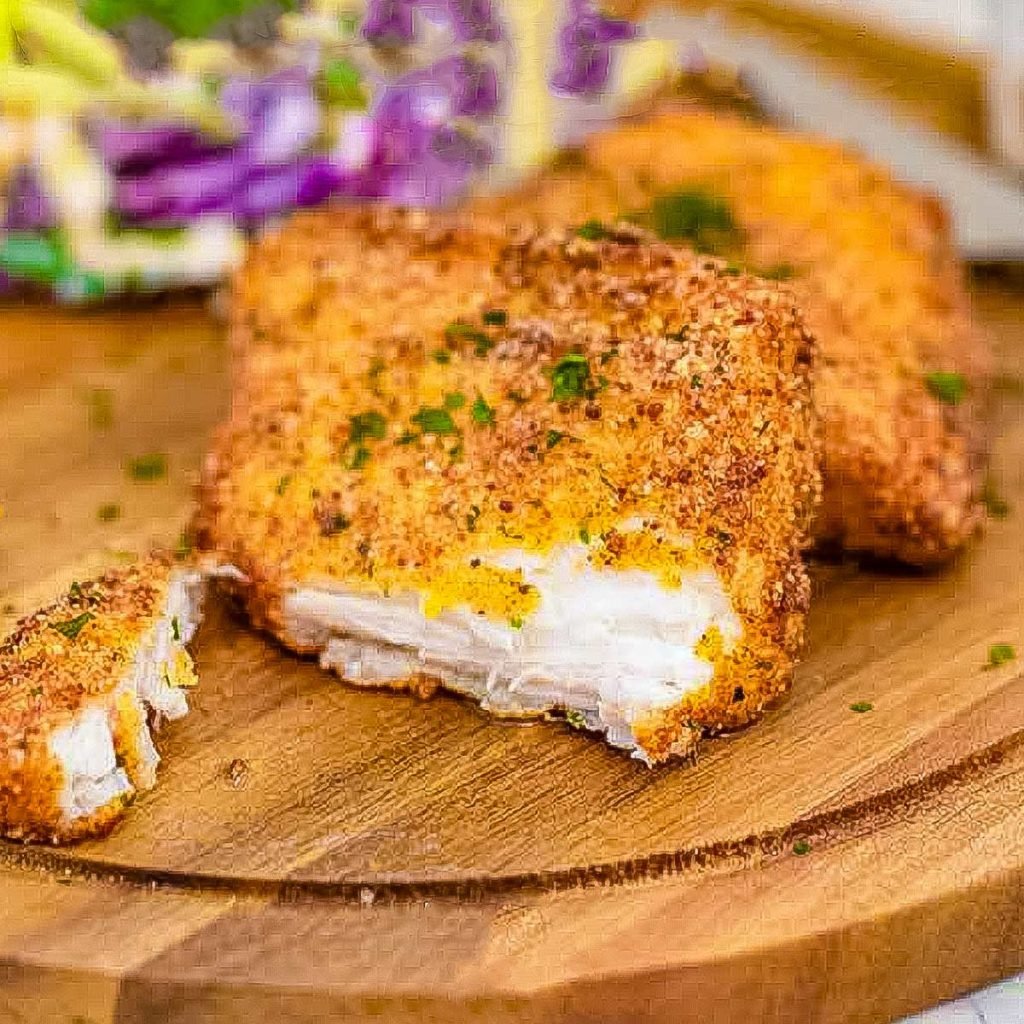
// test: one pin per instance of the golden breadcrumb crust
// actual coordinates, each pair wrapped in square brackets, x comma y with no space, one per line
[415,392]
[880,287]
[70,657]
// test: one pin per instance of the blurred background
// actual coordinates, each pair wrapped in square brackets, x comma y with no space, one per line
[142,141]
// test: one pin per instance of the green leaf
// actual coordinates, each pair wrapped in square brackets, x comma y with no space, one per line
[569,378]
[553,437]
[282,484]
[442,356]
[343,85]
[360,457]
[482,413]
[72,627]
[454,400]
[108,512]
[575,718]
[862,707]
[495,317]
[175,630]
[148,467]
[801,847]
[946,386]
[461,331]
[435,421]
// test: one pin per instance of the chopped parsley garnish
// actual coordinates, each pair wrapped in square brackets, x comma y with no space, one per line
[570,377]
[342,84]
[148,467]
[366,425]
[75,592]
[108,512]
[495,317]
[454,400]
[407,437]
[607,357]
[584,533]
[334,523]
[471,518]
[442,356]
[72,627]
[575,718]
[695,382]
[553,437]
[175,630]
[592,231]
[516,622]
[801,847]
[360,457]
[482,413]
[461,331]
[694,216]
[1000,654]
[949,388]
[435,421]
[282,484]
[861,707]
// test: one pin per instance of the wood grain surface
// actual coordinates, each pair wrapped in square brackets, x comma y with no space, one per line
[314,851]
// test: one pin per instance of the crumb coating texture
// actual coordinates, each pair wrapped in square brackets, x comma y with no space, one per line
[880,287]
[48,678]
[515,392]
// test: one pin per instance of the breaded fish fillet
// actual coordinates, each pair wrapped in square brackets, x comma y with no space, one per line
[549,473]
[81,683]
[900,383]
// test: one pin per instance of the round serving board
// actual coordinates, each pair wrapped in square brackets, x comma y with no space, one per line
[314,850]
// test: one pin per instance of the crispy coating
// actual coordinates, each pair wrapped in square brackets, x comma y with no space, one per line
[880,287]
[414,392]
[60,662]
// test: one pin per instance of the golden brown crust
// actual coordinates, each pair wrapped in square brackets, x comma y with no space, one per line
[881,290]
[692,416]
[58,663]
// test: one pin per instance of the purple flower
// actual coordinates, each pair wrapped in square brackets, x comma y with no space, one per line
[28,206]
[475,21]
[132,149]
[584,49]
[390,22]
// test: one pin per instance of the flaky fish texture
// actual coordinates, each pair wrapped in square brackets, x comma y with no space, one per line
[81,684]
[902,373]
[554,474]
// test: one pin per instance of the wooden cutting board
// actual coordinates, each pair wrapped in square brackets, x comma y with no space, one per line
[315,851]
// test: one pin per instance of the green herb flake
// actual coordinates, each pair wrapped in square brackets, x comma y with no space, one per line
[435,421]
[801,847]
[461,331]
[517,397]
[584,533]
[342,84]
[108,512]
[365,426]
[335,523]
[472,516]
[694,216]
[495,317]
[592,231]
[862,707]
[575,719]
[1000,654]
[516,622]
[454,400]
[175,630]
[949,388]
[732,269]
[442,356]
[570,377]
[695,382]
[407,437]
[283,484]
[553,437]
[607,357]
[101,408]
[72,627]
[482,413]
[148,467]
[75,591]
[360,457]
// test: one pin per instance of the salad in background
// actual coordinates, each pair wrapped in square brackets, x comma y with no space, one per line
[142,140]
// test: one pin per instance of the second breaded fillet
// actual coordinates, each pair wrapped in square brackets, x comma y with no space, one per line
[901,377]
[81,684]
[548,473]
